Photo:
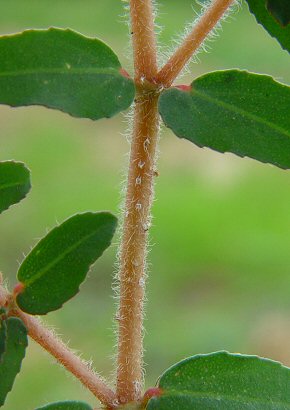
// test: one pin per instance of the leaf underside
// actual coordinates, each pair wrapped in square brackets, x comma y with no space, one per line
[14,183]
[224,381]
[271,19]
[64,70]
[58,264]
[11,359]
[66,405]
[233,111]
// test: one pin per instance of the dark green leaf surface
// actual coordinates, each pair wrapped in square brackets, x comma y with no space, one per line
[67,405]
[233,111]
[64,70]
[14,183]
[270,23]
[10,364]
[280,10]
[55,268]
[3,334]
[224,381]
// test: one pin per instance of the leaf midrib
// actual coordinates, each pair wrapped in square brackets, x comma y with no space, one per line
[219,397]
[62,71]
[12,184]
[60,257]
[241,112]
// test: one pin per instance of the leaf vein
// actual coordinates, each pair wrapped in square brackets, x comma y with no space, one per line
[50,265]
[241,112]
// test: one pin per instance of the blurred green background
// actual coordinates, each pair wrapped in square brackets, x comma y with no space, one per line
[220,245]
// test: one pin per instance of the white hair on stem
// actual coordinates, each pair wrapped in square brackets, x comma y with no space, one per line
[126,19]
[212,36]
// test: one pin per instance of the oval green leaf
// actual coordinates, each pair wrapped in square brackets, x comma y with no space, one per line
[233,111]
[224,381]
[10,363]
[64,70]
[280,10]
[66,405]
[270,20]
[14,183]
[53,271]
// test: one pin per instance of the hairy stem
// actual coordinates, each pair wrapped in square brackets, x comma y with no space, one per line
[133,248]
[143,39]
[4,295]
[132,273]
[192,42]
[53,345]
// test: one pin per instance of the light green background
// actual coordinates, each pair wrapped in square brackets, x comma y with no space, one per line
[220,244]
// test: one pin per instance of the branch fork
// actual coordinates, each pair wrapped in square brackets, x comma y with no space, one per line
[139,196]
[132,275]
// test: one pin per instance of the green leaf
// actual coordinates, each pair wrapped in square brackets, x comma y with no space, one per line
[233,111]
[66,405]
[280,10]
[14,183]
[10,364]
[64,70]
[224,381]
[53,271]
[3,338]
[269,19]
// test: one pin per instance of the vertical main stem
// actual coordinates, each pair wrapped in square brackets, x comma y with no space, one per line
[133,247]
[143,39]
[132,273]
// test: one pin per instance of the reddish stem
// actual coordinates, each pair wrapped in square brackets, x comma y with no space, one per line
[132,273]
[53,345]
[192,42]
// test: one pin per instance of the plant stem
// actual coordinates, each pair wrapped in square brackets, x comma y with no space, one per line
[52,344]
[192,42]
[143,39]
[132,272]
[138,201]
[133,248]
[4,295]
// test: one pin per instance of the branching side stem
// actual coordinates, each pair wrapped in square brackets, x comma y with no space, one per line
[138,203]
[192,42]
[139,194]
[53,345]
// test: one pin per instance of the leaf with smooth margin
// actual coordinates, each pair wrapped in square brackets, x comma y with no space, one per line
[66,405]
[53,271]
[233,111]
[224,381]
[280,10]
[14,183]
[10,364]
[270,23]
[65,70]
